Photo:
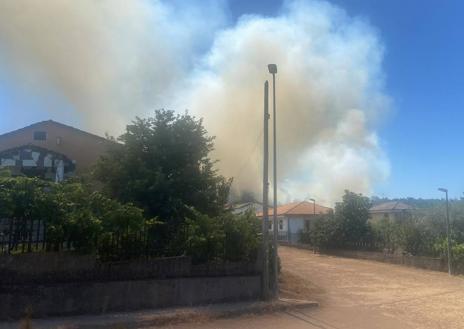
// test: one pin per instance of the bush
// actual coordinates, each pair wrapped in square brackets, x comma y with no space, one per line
[73,214]
[322,233]
[227,237]
[241,236]
[457,253]
[409,235]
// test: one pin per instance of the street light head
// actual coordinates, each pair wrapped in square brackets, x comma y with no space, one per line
[441,189]
[312,200]
[272,68]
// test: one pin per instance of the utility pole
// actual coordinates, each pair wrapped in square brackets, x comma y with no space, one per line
[265,288]
[273,70]
[448,233]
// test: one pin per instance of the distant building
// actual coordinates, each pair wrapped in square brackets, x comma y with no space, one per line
[50,150]
[241,208]
[293,218]
[392,210]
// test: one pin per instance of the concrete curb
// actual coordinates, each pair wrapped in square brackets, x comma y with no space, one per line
[148,319]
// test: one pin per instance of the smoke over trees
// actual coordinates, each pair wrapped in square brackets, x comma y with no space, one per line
[117,59]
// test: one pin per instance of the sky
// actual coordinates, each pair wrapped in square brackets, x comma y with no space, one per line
[424,77]
[424,68]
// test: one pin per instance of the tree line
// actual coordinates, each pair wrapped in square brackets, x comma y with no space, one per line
[421,231]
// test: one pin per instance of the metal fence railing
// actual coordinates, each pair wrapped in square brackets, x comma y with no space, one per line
[18,236]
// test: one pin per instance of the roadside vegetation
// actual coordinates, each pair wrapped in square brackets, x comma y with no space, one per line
[420,233]
[156,193]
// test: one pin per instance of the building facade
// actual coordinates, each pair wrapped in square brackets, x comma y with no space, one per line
[392,210]
[50,150]
[294,218]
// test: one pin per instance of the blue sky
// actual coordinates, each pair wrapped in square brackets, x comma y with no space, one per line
[423,64]
[424,53]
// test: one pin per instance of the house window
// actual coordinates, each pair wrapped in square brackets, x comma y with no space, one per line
[40,135]
[281,225]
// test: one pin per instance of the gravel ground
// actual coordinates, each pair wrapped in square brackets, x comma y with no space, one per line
[384,292]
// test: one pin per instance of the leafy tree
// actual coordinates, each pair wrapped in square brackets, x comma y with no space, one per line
[352,215]
[162,165]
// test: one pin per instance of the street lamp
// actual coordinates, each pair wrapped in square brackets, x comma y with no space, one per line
[444,190]
[273,70]
[314,206]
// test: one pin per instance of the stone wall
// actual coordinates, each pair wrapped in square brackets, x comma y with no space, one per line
[64,284]
[117,296]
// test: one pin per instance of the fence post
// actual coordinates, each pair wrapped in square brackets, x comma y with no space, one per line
[30,232]
[37,236]
[10,233]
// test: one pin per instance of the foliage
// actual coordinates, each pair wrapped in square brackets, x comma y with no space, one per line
[205,238]
[241,236]
[163,167]
[351,216]
[322,232]
[410,235]
[73,214]
[346,227]
[227,237]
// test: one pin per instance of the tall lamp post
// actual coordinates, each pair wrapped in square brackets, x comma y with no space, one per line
[314,206]
[266,194]
[447,229]
[273,70]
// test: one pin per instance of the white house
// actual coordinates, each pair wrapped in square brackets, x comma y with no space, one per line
[294,217]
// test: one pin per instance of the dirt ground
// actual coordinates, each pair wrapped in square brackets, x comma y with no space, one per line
[367,294]
[357,294]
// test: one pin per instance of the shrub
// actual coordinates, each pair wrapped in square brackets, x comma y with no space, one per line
[205,238]
[227,237]
[323,231]
[457,253]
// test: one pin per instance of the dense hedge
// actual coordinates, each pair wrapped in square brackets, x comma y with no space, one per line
[87,222]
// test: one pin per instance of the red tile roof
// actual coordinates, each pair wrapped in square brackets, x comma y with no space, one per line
[298,208]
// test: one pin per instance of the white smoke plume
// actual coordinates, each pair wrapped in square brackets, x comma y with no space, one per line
[329,95]
[113,60]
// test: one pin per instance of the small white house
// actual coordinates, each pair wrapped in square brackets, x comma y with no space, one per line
[293,218]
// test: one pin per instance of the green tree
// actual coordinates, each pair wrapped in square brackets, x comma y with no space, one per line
[162,165]
[351,216]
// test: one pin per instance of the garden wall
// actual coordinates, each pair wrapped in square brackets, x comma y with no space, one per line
[64,284]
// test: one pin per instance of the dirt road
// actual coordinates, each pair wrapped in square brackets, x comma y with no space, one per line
[356,294]
[366,294]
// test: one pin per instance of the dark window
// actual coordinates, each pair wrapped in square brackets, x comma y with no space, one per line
[40,135]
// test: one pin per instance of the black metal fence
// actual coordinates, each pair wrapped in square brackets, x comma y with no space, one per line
[19,236]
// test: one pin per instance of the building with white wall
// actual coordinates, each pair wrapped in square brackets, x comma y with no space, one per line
[293,218]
